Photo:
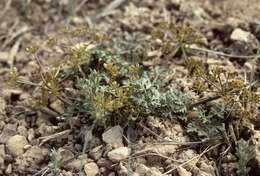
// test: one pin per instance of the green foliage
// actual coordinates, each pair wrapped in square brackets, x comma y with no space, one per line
[232,91]
[237,100]
[152,101]
[55,161]
[120,91]
[234,106]
[245,151]
[111,87]
[206,126]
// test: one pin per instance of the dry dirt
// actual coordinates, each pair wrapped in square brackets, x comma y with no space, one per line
[27,135]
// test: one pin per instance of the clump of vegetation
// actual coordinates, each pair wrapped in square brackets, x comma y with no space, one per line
[236,103]
[110,86]
[109,89]
[56,162]
[245,151]
[176,39]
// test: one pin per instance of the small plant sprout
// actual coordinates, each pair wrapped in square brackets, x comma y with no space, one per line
[245,151]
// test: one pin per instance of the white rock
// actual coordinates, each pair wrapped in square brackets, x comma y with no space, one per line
[122,170]
[16,145]
[240,35]
[113,136]
[118,154]
[31,134]
[91,169]
[96,153]
[9,169]
[183,172]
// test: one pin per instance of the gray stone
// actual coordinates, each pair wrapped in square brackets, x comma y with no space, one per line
[96,153]
[91,169]
[37,154]
[118,154]
[64,154]
[113,136]
[16,144]
[32,159]
[102,162]
[8,131]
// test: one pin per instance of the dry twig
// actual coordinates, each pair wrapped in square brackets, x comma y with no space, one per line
[57,135]
[200,155]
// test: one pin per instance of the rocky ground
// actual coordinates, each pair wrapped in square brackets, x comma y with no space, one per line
[29,135]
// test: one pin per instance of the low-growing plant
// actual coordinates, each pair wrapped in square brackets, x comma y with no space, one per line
[237,102]
[55,162]
[111,86]
[245,151]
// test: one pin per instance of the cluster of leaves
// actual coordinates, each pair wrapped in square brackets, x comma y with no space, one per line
[245,151]
[56,161]
[119,91]
[223,83]
[176,39]
[112,87]
[237,100]
[51,80]
[208,126]
[236,103]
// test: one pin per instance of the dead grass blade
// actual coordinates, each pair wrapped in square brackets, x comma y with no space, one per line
[109,9]
[7,6]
